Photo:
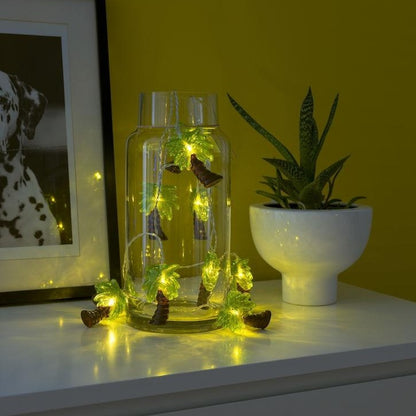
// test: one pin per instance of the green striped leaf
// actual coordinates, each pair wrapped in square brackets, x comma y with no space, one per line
[281,148]
[279,199]
[327,126]
[271,181]
[267,194]
[272,187]
[323,178]
[333,201]
[286,186]
[352,200]
[293,172]
[308,136]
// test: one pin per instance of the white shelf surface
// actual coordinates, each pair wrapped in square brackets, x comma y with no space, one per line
[50,360]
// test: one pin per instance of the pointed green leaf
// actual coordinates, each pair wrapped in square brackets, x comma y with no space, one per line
[352,200]
[275,197]
[286,186]
[268,184]
[267,195]
[308,137]
[293,172]
[272,187]
[281,148]
[272,182]
[323,178]
[333,201]
[327,126]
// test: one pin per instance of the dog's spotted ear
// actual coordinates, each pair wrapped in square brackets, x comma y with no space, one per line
[32,105]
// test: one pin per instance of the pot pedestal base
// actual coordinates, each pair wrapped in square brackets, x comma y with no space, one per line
[309,290]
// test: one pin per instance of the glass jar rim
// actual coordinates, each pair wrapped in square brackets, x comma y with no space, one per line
[171,108]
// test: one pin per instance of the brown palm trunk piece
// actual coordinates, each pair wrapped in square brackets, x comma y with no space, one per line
[203,295]
[91,318]
[153,225]
[162,310]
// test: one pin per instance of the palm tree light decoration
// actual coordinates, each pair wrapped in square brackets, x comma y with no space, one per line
[110,301]
[185,142]
[236,306]
[238,309]
[210,272]
[157,203]
[241,272]
[161,283]
[200,204]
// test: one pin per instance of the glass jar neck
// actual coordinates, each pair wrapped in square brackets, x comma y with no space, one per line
[172,108]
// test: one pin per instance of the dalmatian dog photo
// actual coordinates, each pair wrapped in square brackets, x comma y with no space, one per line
[25,217]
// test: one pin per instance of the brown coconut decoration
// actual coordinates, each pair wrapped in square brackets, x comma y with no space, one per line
[93,317]
[204,175]
[258,320]
[171,167]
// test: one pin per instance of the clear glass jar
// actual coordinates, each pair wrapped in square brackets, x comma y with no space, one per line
[176,267]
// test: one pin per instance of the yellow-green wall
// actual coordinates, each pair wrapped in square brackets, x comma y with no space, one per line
[266,53]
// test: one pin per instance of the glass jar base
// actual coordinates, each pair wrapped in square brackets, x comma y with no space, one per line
[184,317]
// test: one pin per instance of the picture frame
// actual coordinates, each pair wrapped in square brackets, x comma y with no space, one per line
[65,43]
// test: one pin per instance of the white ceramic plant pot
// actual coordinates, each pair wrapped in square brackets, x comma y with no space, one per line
[310,247]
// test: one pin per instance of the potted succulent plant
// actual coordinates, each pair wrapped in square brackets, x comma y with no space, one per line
[305,233]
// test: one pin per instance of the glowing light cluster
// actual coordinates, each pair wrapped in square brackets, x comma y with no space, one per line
[236,306]
[161,277]
[200,203]
[211,270]
[164,198]
[110,294]
[241,272]
[47,283]
[180,146]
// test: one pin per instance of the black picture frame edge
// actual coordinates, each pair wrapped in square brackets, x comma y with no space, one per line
[22,297]
[27,297]
[108,141]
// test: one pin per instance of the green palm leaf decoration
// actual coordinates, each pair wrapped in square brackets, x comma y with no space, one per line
[181,145]
[211,270]
[165,199]
[237,305]
[110,295]
[241,272]
[200,203]
[161,277]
